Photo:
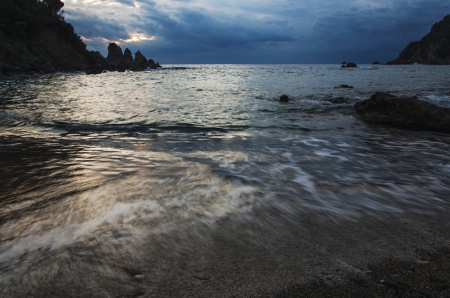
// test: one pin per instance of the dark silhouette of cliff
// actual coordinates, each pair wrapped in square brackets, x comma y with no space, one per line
[433,48]
[34,38]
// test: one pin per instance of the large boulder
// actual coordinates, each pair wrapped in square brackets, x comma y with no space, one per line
[140,62]
[409,112]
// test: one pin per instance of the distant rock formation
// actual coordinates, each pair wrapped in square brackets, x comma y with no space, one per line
[409,112]
[350,64]
[34,38]
[116,60]
[433,48]
[139,63]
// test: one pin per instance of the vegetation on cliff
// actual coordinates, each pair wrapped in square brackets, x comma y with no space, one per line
[433,48]
[35,38]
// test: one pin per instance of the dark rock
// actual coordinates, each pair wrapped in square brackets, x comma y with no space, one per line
[409,112]
[140,62]
[340,100]
[376,62]
[94,69]
[351,64]
[117,60]
[433,48]
[115,55]
[128,56]
[345,86]
[152,64]
[284,98]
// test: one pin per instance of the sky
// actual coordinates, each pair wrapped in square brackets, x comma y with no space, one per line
[255,31]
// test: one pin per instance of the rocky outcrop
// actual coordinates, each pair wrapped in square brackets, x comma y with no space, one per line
[409,112]
[139,62]
[128,56]
[118,60]
[433,48]
[152,65]
[350,64]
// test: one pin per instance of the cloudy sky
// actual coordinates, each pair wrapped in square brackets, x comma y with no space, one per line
[255,31]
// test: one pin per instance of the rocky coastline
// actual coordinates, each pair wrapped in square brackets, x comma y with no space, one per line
[35,39]
[433,48]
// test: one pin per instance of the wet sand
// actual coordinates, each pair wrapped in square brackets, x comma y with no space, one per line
[376,255]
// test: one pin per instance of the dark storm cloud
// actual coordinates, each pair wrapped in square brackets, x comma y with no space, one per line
[92,26]
[376,33]
[201,29]
[320,31]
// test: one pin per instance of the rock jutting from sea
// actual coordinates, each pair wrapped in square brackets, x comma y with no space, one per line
[408,112]
[433,48]
[121,61]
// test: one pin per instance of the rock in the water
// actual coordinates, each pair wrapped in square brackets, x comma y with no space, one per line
[139,63]
[94,69]
[128,56]
[152,64]
[116,59]
[115,55]
[409,112]
[341,100]
[284,98]
[344,86]
[376,62]
[350,64]
[433,48]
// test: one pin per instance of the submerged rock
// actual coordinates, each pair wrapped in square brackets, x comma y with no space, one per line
[284,98]
[409,112]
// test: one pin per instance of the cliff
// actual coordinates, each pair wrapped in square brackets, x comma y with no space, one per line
[34,38]
[433,48]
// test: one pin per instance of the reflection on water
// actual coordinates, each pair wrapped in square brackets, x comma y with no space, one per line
[112,176]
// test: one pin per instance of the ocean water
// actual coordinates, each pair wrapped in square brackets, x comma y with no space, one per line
[107,176]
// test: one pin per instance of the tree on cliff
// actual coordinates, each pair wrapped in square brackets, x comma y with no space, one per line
[35,37]
[53,5]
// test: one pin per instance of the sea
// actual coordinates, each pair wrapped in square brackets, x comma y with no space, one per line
[104,178]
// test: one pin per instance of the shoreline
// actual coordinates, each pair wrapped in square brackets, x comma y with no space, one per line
[376,255]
